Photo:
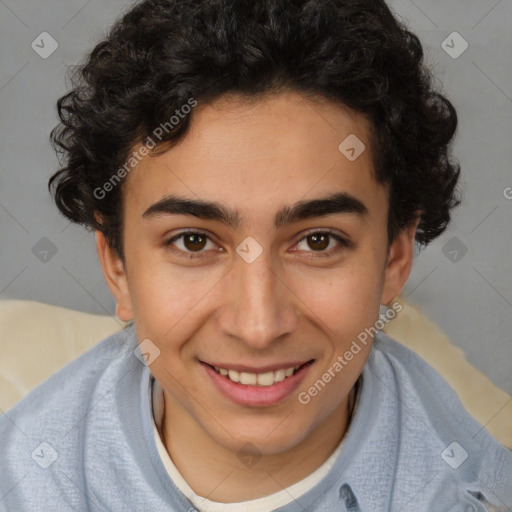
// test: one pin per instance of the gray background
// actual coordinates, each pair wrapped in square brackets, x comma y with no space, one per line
[462,281]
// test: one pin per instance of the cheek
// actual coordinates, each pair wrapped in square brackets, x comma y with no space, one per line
[347,302]
[346,299]
[167,299]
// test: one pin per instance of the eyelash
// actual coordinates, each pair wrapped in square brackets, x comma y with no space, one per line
[343,243]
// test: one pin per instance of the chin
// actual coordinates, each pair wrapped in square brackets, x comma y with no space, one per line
[267,438]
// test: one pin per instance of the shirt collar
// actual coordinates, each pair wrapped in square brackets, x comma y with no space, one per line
[337,483]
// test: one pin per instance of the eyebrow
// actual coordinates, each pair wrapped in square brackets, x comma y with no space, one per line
[333,204]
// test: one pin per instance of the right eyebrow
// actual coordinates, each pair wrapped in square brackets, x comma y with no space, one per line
[174,205]
[338,203]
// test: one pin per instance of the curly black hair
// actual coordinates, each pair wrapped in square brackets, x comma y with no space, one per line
[162,53]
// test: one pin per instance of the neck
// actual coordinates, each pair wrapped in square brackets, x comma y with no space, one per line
[215,472]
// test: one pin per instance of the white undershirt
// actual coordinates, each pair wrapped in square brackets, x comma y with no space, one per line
[265,504]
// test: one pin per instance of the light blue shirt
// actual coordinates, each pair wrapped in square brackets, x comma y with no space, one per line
[83,440]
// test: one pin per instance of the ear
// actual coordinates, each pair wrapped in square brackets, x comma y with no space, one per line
[399,263]
[115,276]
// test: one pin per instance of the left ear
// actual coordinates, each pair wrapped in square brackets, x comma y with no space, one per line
[399,263]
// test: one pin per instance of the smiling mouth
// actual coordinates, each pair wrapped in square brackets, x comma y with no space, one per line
[264,379]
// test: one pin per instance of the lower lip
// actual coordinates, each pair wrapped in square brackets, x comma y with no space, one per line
[257,396]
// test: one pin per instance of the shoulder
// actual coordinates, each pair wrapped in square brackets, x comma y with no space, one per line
[76,381]
[436,432]
[48,425]
[425,393]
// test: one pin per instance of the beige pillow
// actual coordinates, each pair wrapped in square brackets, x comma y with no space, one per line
[39,339]
[487,403]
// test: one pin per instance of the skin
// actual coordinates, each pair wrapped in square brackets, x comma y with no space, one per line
[291,303]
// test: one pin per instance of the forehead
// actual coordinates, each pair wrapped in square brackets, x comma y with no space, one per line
[259,154]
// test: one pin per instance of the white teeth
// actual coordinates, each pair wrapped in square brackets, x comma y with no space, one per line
[279,375]
[257,379]
[249,379]
[234,375]
[266,379]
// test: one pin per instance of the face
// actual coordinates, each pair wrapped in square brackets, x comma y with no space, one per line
[255,245]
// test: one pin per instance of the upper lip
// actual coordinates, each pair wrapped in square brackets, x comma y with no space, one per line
[260,369]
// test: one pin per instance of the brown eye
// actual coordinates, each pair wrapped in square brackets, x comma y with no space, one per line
[190,243]
[324,243]
[194,241]
[318,241]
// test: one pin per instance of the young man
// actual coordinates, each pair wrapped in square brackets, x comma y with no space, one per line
[257,174]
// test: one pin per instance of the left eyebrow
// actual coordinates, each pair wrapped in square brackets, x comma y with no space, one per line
[334,204]
[339,203]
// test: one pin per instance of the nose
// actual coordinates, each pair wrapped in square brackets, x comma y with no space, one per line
[258,307]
